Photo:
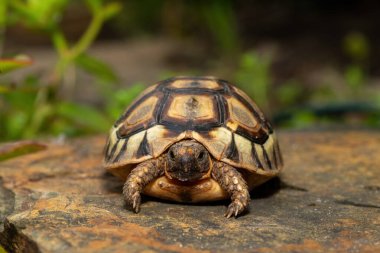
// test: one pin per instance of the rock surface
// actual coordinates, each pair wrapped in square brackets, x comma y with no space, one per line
[326,199]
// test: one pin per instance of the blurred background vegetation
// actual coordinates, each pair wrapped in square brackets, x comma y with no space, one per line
[69,68]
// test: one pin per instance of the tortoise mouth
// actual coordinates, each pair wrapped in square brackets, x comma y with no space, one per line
[190,177]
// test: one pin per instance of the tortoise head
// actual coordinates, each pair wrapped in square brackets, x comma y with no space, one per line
[187,161]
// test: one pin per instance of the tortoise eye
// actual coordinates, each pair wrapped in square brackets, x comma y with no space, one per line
[201,155]
[171,155]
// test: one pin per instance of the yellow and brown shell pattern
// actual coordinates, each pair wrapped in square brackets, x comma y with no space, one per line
[212,111]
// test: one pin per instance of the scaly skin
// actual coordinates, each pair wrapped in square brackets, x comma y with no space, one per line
[233,183]
[140,177]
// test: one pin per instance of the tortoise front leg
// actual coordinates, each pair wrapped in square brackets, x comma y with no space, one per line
[233,183]
[140,177]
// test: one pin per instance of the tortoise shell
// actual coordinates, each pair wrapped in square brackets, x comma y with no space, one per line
[211,111]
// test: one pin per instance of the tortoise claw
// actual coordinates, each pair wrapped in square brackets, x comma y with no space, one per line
[136,200]
[234,209]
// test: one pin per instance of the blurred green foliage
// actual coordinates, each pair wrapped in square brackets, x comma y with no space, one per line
[2,250]
[213,19]
[19,61]
[296,105]
[221,22]
[356,47]
[322,105]
[35,106]
[253,76]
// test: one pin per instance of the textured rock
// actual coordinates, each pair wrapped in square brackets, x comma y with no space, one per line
[326,199]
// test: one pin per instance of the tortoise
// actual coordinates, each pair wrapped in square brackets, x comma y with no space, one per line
[193,139]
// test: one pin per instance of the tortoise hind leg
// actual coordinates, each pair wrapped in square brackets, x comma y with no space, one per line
[233,183]
[140,177]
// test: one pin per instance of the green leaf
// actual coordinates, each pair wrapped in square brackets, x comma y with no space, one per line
[221,21]
[94,5]
[354,76]
[39,14]
[289,92]
[303,119]
[111,10]
[83,116]
[96,67]
[356,45]
[38,119]
[3,11]
[253,76]
[63,126]
[47,11]
[7,65]
[20,99]
[3,89]
[11,150]
[16,124]
[2,250]
[22,13]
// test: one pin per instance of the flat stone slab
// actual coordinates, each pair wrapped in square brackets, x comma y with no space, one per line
[327,199]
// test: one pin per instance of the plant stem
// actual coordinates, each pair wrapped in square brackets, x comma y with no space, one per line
[3,11]
[67,55]
[89,36]
[60,42]
[61,46]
